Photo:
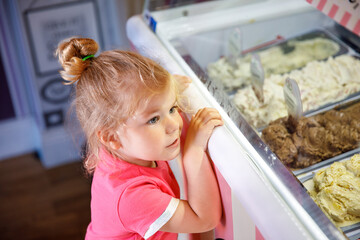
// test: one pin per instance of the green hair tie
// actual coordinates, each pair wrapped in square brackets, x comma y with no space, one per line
[87,57]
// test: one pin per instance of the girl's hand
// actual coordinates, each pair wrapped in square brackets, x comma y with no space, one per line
[183,81]
[202,210]
[201,127]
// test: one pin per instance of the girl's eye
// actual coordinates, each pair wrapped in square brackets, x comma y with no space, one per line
[173,109]
[153,120]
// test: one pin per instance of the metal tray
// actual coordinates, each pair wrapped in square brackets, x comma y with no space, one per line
[337,106]
[343,49]
[351,231]
[307,36]
[286,48]
[333,105]
[351,100]
[307,173]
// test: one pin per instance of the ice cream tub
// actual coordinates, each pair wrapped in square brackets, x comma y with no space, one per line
[322,84]
[277,58]
[303,144]
[335,188]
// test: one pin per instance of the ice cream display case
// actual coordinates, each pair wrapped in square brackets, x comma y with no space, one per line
[245,59]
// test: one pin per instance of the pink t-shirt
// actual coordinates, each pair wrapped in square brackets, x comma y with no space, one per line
[130,201]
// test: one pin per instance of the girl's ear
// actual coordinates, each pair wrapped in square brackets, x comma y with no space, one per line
[109,139]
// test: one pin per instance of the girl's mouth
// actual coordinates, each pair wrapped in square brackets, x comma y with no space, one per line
[175,143]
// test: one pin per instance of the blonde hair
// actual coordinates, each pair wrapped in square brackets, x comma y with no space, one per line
[109,87]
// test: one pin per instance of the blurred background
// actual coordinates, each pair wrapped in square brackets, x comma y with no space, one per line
[44,193]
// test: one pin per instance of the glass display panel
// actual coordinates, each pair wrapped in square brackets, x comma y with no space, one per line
[325,69]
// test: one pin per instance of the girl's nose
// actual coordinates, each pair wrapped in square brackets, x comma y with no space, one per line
[171,124]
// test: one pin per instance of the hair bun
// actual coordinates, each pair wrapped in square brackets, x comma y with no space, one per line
[71,52]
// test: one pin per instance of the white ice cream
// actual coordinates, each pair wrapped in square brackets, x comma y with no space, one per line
[274,61]
[320,82]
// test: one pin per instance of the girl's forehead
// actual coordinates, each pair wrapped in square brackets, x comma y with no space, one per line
[159,101]
[156,103]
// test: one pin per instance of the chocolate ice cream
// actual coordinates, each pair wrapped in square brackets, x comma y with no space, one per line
[314,139]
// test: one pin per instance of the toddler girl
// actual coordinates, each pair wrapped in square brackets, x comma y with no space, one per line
[128,108]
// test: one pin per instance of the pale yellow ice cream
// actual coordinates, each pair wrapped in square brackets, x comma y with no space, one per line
[336,190]
[274,60]
[320,82]
[353,165]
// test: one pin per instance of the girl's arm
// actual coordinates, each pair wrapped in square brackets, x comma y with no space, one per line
[202,211]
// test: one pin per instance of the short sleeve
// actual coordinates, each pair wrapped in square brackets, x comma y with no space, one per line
[143,208]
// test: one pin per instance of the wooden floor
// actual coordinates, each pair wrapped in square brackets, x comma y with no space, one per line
[36,203]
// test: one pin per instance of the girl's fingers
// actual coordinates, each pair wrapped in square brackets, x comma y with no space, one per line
[214,123]
[206,114]
[206,119]
[202,125]
[199,113]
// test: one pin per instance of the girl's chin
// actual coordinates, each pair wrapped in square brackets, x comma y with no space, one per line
[173,155]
